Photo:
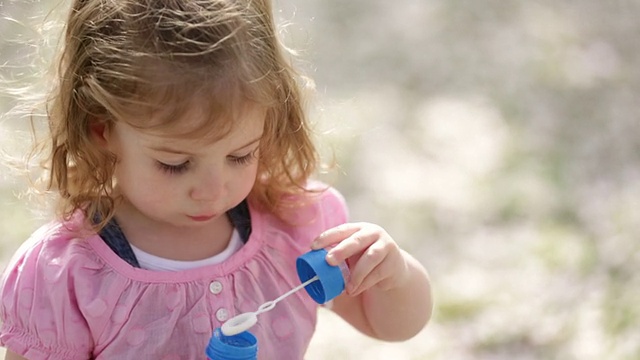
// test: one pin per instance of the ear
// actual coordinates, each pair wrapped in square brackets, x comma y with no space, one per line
[99,132]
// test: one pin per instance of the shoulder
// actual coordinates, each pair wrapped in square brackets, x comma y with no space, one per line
[331,204]
[56,252]
[302,217]
[53,245]
[320,205]
[40,283]
[327,195]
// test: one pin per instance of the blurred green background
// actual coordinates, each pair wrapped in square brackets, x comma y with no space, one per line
[497,141]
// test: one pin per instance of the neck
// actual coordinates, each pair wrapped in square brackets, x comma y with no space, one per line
[174,242]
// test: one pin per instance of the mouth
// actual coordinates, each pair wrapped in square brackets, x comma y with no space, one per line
[201,218]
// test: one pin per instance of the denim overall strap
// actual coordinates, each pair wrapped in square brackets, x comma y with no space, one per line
[115,239]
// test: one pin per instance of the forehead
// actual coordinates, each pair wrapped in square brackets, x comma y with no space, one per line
[200,120]
[181,105]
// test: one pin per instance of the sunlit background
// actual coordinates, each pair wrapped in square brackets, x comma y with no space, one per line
[497,141]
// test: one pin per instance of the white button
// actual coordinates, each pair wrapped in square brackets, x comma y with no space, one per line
[215,287]
[222,314]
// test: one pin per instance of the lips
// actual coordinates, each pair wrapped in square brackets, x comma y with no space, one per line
[202,217]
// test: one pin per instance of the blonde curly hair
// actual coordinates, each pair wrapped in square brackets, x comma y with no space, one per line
[126,59]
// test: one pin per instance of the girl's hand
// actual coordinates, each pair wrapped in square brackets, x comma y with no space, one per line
[373,257]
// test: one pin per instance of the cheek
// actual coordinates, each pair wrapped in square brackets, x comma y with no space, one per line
[245,181]
[152,196]
[143,183]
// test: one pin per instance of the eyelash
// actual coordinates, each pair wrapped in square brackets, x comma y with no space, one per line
[181,168]
[173,169]
[242,160]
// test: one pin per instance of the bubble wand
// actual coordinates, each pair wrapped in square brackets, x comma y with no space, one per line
[244,321]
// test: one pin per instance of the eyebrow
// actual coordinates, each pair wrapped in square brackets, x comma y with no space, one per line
[249,143]
[170,150]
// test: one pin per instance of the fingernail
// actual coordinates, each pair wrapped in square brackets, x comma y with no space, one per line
[350,289]
[330,258]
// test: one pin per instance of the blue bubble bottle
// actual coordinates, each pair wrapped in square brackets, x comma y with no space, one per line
[242,346]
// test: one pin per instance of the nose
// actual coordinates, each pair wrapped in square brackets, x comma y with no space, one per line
[209,185]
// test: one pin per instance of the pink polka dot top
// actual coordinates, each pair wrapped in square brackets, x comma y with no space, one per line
[66,295]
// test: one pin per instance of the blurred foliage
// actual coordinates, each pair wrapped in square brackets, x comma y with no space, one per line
[496,140]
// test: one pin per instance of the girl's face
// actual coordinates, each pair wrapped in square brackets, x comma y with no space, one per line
[180,182]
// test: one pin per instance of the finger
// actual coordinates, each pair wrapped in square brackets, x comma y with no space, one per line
[352,246]
[334,235]
[373,279]
[367,270]
[380,278]
[390,273]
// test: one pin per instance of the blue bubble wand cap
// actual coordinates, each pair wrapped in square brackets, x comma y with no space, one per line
[330,281]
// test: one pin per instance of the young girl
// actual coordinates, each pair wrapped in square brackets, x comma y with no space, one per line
[182,157]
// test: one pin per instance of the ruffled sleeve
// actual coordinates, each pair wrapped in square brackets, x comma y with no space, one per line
[38,310]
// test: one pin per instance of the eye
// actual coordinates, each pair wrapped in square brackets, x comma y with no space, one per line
[173,169]
[243,160]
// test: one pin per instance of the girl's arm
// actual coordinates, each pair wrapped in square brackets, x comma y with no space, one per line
[388,295]
[392,315]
